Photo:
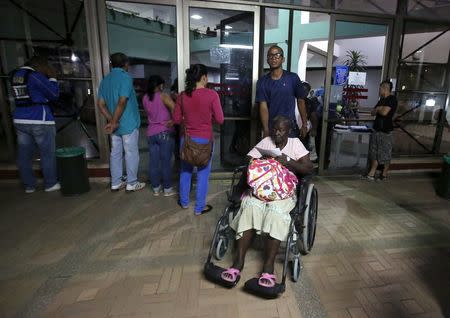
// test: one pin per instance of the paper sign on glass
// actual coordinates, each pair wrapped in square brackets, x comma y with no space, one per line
[357,78]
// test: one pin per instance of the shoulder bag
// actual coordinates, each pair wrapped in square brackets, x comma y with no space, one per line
[193,152]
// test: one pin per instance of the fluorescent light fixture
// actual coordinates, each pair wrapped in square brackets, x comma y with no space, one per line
[237,46]
[196,17]
[228,27]
[430,102]
[232,78]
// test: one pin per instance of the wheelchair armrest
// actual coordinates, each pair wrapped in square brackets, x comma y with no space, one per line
[302,186]
[240,169]
[305,179]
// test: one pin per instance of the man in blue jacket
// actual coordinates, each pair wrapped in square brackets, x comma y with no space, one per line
[34,86]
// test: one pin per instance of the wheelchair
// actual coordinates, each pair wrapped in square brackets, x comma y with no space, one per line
[302,232]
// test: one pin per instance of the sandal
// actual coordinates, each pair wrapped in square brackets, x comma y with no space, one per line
[267,280]
[205,210]
[233,272]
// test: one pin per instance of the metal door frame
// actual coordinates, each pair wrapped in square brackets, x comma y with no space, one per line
[329,70]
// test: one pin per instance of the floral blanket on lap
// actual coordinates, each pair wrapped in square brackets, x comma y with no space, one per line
[270,180]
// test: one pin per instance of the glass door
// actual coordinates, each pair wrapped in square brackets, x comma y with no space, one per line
[147,34]
[224,39]
[356,66]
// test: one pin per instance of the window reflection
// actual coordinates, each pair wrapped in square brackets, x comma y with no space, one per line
[56,30]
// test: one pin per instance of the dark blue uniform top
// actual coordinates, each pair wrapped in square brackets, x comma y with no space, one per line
[41,90]
[280,95]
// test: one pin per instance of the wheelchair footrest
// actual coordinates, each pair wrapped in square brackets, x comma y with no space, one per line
[253,287]
[214,274]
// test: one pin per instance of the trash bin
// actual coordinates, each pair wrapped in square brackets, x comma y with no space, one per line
[72,170]
[444,181]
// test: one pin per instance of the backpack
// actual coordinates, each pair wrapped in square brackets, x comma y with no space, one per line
[270,180]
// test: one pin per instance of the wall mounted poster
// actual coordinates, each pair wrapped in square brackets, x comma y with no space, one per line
[340,78]
[357,78]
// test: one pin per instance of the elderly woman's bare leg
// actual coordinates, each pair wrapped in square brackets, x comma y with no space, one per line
[271,252]
[242,246]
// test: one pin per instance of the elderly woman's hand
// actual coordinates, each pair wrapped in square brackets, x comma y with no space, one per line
[283,159]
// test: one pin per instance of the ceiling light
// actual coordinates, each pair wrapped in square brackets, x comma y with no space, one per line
[74,58]
[430,102]
[196,17]
[228,27]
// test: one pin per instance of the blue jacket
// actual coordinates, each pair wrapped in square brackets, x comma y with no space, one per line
[41,90]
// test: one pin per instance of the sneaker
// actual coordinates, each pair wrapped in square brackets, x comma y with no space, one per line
[135,187]
[381,178]
[157,191]
[119,186]
[169,192]
[367,177]
[30,190]
[183,206]
[55,187]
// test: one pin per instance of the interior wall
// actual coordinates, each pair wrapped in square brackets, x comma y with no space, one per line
[316,79]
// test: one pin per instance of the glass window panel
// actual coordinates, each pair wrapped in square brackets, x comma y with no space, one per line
[362,45]
[417,117]
[436,10]
[276,23]
[425,44]
[305,3]
[56,30]
[223,41]
[146,33]
[373,6]
[422,77]
[75,116]
[422,74]
[231,144]
[309,47]
[424,57]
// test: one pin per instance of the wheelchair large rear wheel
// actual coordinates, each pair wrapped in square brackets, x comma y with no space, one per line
[308,234]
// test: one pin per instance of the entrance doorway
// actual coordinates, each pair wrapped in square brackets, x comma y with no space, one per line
[225,39]
[355,67]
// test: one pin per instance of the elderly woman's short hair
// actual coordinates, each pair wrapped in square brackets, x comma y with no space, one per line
[283,120]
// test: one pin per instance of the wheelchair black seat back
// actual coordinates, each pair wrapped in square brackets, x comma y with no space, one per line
[300,239]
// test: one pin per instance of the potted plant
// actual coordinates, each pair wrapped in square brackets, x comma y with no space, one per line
[356,62]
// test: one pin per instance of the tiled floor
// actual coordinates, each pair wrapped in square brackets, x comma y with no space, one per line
[382,250]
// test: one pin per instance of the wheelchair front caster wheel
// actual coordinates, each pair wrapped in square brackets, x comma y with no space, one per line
[296,269]
[221,247]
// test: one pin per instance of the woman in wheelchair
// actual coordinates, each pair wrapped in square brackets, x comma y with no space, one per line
[257,216]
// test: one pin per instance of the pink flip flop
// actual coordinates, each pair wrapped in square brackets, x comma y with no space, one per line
[233,272]
[262,281]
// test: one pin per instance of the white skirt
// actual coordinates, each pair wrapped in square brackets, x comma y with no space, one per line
[272,217]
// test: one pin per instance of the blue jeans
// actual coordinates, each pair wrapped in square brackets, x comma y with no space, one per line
[202,180]
[28,136]
[160,149]
[129,144]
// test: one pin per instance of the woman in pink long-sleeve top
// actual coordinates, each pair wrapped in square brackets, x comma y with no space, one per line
[201,108]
